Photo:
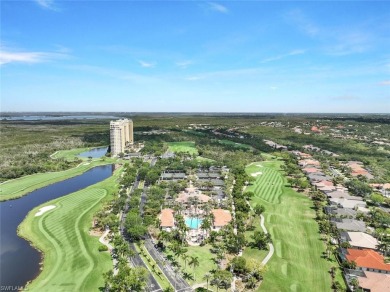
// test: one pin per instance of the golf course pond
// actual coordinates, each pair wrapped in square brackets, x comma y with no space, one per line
[95,152]
[19,262]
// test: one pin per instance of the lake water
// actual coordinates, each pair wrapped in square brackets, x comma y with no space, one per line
[19,262]
[95,153]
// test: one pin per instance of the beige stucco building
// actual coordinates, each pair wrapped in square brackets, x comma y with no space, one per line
[121,135]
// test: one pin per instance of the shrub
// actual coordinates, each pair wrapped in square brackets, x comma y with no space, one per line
[102,248]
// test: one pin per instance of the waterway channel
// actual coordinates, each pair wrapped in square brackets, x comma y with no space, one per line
[19,262]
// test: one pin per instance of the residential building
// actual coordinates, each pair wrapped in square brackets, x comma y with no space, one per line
[359,240]
[366,260]
[347,203]
[374,282]
[121,135]
[167,221]
[221,218]
[334,211]
[191,196]
[349,224]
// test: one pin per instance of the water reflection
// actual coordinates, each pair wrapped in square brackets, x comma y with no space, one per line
[19,262]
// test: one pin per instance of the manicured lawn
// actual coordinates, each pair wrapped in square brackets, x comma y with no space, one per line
[269,181]
[71,261]
[254,253]
[234,144]
[206,262]
[70,154]
[186,146]
[297,264]
[21,186]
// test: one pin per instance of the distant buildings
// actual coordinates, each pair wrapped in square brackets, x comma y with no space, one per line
[121,135]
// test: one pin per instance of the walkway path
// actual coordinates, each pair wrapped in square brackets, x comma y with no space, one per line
[270,245]
[105,242]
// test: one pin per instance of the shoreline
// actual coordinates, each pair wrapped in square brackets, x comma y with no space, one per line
[25,229]
[42,182]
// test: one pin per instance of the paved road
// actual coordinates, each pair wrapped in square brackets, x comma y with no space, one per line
[136,261]
[152,284]
[173,277]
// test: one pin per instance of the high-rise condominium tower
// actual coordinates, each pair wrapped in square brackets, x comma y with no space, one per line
[121,135]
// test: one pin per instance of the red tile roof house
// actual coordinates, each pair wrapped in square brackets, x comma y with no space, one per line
[167,221]
[311,162]
[305,155]
[374,282]
[315,129]
[324,183]
[326,189]
[221,218]
[357,169]
[367,260]
[309,169]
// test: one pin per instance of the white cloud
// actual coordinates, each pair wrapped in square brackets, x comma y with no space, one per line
[46,4]
[350,43]
[146,64]
[298,18]
[7,56]
[184,64]
[278,57]
[385,83]
[218,7]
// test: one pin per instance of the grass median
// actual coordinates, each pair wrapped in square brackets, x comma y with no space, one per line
[153,267]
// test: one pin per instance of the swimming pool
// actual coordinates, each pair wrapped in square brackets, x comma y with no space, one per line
[193,223]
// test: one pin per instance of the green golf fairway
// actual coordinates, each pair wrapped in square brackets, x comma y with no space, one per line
[21,186]
[297,264]
[71,260]
[186,146]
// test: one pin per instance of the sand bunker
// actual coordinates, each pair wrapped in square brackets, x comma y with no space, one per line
[44,209]
[257,173]
[259,165]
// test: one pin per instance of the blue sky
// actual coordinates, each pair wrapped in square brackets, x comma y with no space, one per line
[195,56]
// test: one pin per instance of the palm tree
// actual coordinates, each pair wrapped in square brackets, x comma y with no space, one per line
[206,225]
[252,282]
[217,282]
[194,262]
[384,246]
[207,277]
[196,204]
[355,284]
[185,257]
